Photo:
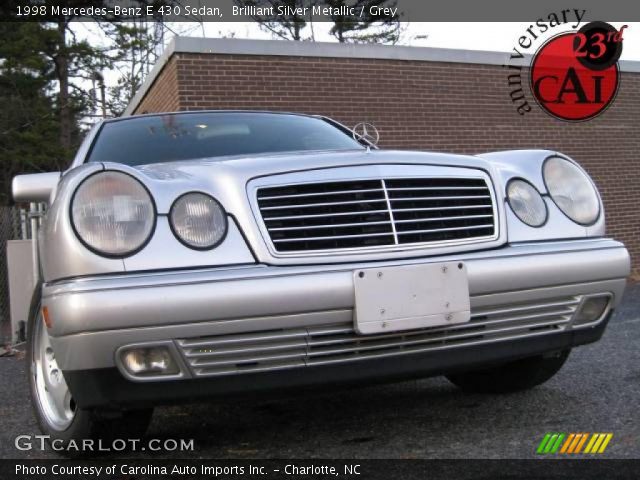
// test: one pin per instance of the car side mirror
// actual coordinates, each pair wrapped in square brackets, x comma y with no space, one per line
[34,187]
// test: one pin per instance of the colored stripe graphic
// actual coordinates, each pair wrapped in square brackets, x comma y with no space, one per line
[577,439]
[573,443]
[599,443]
[606,441]
[543,443]
[582,440]
[592,442]
[565,447]
[550,443]
[556,446]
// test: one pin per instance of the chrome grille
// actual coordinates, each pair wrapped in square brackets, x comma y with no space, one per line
[325,344]
[374,213]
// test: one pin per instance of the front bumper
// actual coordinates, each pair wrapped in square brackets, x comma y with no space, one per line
[522,302]
[106,387]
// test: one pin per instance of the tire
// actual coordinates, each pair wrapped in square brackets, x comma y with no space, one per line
[513,376]
[57,415]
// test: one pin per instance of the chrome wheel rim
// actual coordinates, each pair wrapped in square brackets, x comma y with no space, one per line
[52,393]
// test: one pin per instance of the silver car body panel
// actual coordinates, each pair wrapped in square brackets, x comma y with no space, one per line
[169,294]
[182,304]
[232,181]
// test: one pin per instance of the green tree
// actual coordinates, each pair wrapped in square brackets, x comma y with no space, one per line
[45,70]
[29,118]
[379,28]
[369,28]
[133,50]
[288,26]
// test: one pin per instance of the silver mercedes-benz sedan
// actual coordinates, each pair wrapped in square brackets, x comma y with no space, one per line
[196,254]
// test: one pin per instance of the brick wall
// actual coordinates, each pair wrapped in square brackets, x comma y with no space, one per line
[164,94]
[451,107]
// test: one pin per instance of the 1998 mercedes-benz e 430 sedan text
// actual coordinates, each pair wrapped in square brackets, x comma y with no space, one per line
[196,254]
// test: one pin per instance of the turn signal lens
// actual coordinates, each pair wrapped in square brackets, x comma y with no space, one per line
[46,317]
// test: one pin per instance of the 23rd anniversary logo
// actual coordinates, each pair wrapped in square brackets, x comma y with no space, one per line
[574,75]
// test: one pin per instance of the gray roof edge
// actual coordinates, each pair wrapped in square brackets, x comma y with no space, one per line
[235,46]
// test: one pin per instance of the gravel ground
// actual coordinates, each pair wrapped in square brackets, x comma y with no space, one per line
[596,391]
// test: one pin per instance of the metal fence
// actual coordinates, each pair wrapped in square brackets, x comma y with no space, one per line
[15,224]
[12,221]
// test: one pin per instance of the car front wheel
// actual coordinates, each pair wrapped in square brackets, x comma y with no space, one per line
[57,414]
[513,376]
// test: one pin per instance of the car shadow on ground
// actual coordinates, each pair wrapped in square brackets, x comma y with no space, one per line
[350,422]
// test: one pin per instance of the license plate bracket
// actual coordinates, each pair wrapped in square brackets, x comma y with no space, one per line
[409,297]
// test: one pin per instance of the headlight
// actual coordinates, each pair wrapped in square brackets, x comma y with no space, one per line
[527,203]
[571,190]
[198,221]
[112,213]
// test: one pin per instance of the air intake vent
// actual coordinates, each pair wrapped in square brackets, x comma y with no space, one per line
[372,213]
[331,344]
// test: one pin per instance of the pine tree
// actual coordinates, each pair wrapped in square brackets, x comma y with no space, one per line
[368,28]
[29,121]
[44,73]
[286,27]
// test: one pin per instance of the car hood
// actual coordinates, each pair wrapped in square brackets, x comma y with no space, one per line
[260,165]
[227,177]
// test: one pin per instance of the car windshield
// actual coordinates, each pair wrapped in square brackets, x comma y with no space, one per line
[172,137]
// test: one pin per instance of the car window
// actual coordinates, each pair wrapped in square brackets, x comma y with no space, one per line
[167,138]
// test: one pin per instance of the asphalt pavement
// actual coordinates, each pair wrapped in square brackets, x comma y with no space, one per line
[596,391]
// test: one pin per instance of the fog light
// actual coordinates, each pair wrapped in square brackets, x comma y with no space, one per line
[149,361]
[591,309]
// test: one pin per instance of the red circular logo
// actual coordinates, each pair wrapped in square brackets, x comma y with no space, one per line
[569,78]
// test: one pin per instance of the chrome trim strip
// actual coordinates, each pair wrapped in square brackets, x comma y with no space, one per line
[438,348]
[409,189]
[302,347]
[436,219]
[304,239]
[391,217]
[429,199]
[431,209]
[320,194]
[325,204]
[450,229]
[336,225]
[291,217]
[379,173]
